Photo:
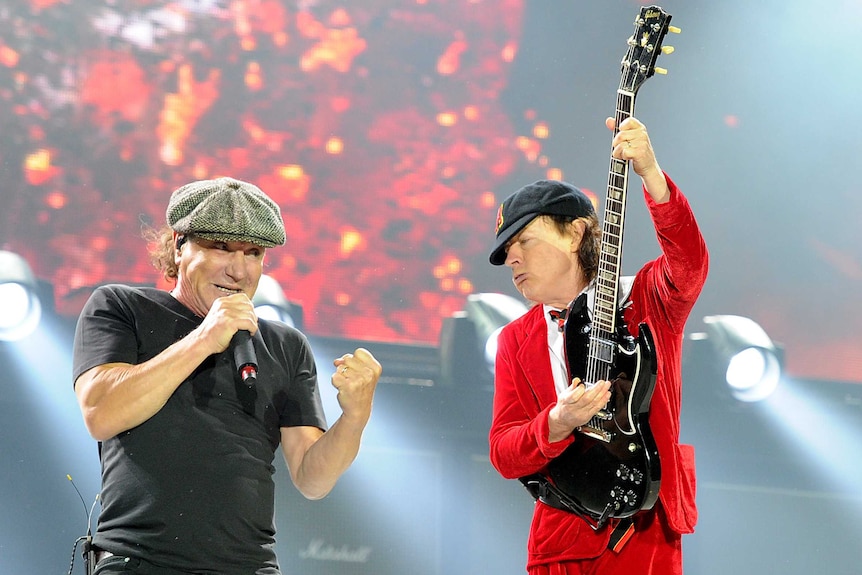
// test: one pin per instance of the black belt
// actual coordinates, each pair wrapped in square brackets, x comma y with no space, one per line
[543,490]
[102,554]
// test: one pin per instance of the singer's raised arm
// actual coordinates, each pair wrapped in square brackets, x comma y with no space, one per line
[316,460]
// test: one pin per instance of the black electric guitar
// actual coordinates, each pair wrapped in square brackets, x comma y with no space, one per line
[613,469]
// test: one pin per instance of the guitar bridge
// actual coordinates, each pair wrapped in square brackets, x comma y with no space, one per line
[596,433]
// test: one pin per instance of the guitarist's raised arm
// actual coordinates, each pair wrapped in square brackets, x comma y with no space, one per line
[632,143]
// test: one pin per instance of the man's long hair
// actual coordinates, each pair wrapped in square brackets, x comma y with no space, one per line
[160,244]
[588,253]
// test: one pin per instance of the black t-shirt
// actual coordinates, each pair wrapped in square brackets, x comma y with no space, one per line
[191,488]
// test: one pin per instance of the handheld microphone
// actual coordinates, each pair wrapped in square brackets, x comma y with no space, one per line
[244,357]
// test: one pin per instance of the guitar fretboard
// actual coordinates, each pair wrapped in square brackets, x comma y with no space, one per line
[600,354]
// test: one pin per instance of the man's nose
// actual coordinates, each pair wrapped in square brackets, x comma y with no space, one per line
[236,268]
[513,255]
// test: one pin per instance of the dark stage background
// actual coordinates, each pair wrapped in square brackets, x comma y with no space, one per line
[389,132]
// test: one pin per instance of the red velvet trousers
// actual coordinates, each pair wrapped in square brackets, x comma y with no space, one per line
[654,549]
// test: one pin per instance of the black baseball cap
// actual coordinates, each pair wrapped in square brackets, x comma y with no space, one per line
[544,197]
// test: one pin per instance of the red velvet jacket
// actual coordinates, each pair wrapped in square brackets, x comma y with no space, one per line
[663,294]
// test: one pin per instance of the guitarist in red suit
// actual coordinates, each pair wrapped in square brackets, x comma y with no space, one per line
[548,234]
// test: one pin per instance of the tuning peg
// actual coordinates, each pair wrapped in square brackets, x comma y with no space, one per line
[667,49]
[674,29]
[662,71]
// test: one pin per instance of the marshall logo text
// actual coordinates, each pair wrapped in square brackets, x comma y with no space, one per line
[319,550]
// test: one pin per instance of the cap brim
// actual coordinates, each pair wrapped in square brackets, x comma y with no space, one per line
[225,237]
[498,254]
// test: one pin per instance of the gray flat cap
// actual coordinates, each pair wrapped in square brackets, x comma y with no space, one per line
[226,210]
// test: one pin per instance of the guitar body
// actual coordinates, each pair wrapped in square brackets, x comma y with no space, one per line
[613,469]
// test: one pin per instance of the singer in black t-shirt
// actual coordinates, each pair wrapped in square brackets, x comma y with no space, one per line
[187,446]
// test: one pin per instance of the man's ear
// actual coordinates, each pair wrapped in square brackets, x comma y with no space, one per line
[577,227]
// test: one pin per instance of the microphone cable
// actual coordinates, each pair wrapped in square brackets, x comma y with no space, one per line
[88,538]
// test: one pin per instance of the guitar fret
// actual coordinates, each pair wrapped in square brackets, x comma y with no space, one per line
[607,305]
[609,267]
[607,301]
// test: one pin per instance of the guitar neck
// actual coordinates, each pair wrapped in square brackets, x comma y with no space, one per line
[610,253]
[644,46]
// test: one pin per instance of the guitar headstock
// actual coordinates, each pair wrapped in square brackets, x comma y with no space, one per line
[645,45]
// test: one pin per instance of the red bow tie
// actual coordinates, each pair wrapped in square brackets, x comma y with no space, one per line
[559,316]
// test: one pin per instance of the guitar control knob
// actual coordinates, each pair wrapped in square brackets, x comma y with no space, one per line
[622,471]
[618,498]
[630,498]
[636,476]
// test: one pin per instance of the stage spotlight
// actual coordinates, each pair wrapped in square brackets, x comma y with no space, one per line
[752,362]
[270,303]
[20,308]
[469,338]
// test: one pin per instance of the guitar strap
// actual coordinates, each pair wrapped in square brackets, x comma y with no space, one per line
[621,534]
[543,490]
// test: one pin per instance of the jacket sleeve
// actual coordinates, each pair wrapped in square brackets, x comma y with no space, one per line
[518,438]
[679,273]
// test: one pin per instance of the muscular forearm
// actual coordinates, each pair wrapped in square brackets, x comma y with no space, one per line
[116,397]
[329,457]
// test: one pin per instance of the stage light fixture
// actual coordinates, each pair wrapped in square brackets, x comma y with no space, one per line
[20,307]
[270,303]
[468,338]
[751,361]
[490,313]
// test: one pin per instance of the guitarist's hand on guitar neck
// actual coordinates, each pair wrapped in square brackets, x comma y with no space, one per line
[575,407]
[632,143]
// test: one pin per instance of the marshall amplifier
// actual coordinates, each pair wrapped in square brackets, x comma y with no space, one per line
[383,517]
